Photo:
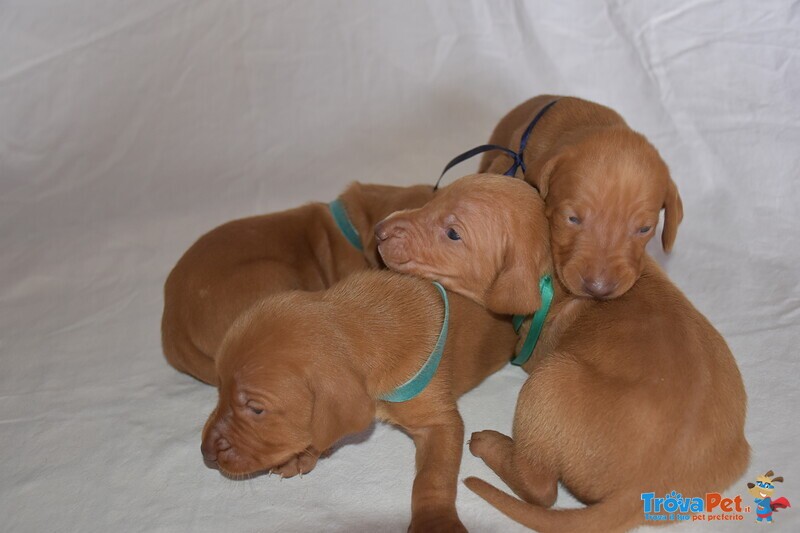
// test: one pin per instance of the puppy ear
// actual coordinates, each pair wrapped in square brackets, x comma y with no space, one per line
[541,171]
[515,290]
[751,485]
[357,198]
[673,214]
[778,479]
[341,407]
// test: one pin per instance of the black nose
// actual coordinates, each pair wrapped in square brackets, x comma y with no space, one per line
[599,287]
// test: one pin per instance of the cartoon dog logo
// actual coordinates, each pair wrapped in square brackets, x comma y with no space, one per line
[762,491]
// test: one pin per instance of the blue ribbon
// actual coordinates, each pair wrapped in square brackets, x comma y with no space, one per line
[479,150]
[345,225]
[424,375]
[517,156]
[523,143]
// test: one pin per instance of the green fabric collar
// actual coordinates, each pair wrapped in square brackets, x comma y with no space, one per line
[537,323]
[424,375]
[345,226]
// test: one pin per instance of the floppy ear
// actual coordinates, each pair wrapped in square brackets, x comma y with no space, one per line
[356,197]
[778,479]
[673,214]
[341,407]
[540,172]
[515,290]
[768,474]
[751,485]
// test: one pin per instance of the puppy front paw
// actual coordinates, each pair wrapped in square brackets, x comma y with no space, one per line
[302,463]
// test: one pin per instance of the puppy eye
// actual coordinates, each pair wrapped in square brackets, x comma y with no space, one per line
[644,229]
[255,409]
[574,220]
[453,235]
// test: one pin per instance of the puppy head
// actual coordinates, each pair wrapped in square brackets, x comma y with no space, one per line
[484,236]
[603,197]
[368,203]
[278,396]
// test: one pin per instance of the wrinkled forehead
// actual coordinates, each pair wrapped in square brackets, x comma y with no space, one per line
[622,179]
[271,361]
[482,195]
[268,381]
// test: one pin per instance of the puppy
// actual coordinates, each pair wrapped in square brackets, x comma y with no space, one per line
[631,395]
[236,264]
[300,370]
[603,185]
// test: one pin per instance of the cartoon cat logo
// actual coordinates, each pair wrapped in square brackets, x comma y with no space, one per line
[762,491]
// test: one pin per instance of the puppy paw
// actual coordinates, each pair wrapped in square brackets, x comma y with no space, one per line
[301,463]
[482,442]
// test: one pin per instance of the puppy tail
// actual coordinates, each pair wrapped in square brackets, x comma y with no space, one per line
[616,514]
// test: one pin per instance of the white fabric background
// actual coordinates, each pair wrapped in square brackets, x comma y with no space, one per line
[129,128]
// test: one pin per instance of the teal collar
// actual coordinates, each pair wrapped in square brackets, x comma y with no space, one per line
[345,226]
[424,375]
[537,323]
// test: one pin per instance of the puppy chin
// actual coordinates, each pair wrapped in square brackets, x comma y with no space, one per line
[394,258]
[238,466]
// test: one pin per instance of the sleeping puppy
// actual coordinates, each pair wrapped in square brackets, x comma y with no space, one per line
[603,185]
[238,263]
[300,370]
[631,395]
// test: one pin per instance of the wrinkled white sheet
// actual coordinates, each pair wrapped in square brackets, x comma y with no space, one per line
[129,128]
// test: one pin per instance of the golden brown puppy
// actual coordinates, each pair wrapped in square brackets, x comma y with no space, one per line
[300,370]
[604,186]
[631,395]
[238,263]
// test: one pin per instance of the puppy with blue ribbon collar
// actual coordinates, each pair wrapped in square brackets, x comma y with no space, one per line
[605,376]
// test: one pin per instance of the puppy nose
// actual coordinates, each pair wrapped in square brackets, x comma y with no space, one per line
[208,451]
[599,287]
[380,231]
[212,446]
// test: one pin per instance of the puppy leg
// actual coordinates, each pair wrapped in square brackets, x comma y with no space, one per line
[433,499]
[529,481]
